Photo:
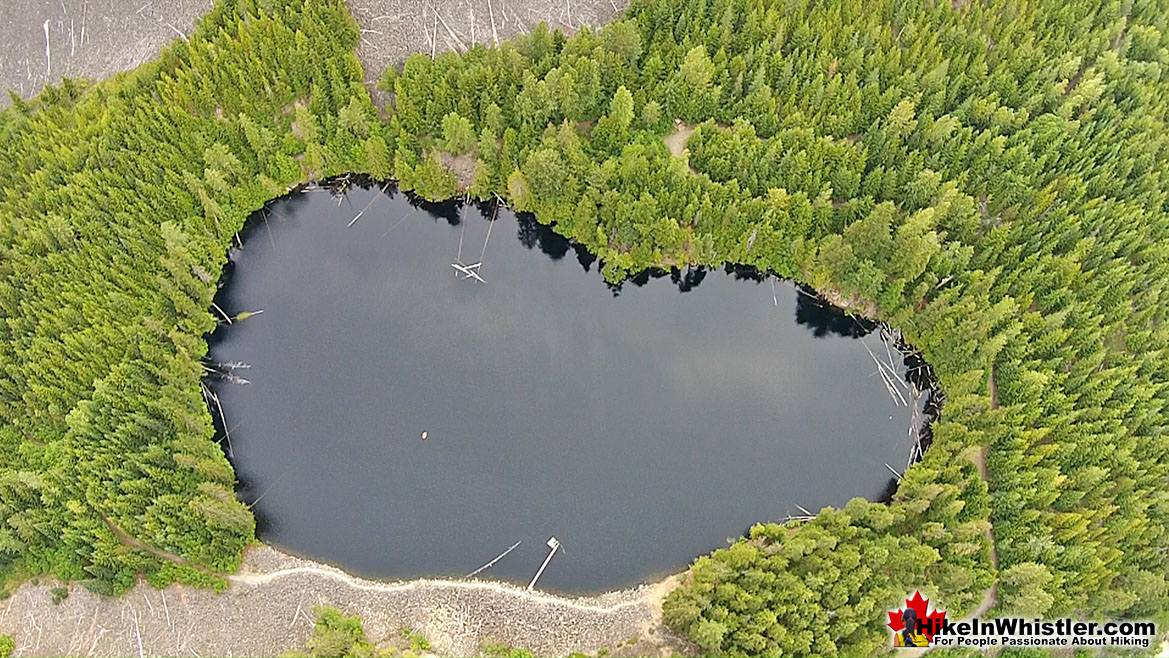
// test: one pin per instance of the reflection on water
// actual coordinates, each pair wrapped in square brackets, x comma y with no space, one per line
[640,426]
[825,319]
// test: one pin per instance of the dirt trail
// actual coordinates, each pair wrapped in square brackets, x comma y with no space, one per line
[990,596]
[267,611]
[676,141]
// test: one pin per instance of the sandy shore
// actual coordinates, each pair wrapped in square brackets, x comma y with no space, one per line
[267,611]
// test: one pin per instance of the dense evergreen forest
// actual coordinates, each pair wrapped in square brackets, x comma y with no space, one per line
[989,176]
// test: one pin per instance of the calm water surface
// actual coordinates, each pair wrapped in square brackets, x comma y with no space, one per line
[642,427]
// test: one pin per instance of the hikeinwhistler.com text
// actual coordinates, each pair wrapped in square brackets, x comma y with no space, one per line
[1019,632]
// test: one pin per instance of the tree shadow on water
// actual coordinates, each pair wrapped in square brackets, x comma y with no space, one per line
[532,234]
[824,319]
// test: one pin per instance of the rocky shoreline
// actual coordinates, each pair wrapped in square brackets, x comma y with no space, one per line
[267,611]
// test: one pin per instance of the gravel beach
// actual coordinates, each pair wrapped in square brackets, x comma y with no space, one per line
[267,611]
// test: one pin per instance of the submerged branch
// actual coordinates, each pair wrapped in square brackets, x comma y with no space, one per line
[497,559]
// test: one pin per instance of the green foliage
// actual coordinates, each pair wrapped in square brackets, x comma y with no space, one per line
[417,641]
[651,116]
[1023,588]
[117,202]
[500,650]
[7,646]
[378,161]
[59,594]
[990,177]
[708,634]
[458,135]
[336,635]
[429,179]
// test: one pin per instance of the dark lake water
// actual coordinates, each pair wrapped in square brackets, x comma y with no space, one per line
[642,427]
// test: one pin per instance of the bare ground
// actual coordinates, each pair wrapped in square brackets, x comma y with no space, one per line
[47,40]
[393,29]
[676,141]
[462,166]
[267,611]
[97,38]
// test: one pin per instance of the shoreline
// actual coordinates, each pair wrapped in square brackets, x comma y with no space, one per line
[654,579]
[267,610]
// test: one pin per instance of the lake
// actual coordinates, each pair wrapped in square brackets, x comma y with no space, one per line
[641,425]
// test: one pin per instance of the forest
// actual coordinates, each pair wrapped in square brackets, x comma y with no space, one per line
[988,176]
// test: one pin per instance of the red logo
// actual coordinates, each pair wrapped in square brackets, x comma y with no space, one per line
[917,608]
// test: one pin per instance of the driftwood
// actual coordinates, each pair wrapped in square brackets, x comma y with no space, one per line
[462,230]
[178,32]
[892,470]
[494,215]
[434,38]
[233,379]
[492,563]
[138,634]
[225,316]
[491,12]
[339,188]
[48,52]
[889,376]
[244,315]
[484,251]
[295,616]
[226,429]
[232,365]
[554,545]
[371,202]
[400,220]
[165,607]
[267,228]
[458,42]
[261,496]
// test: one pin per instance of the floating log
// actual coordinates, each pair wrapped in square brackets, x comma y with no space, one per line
[492,563]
